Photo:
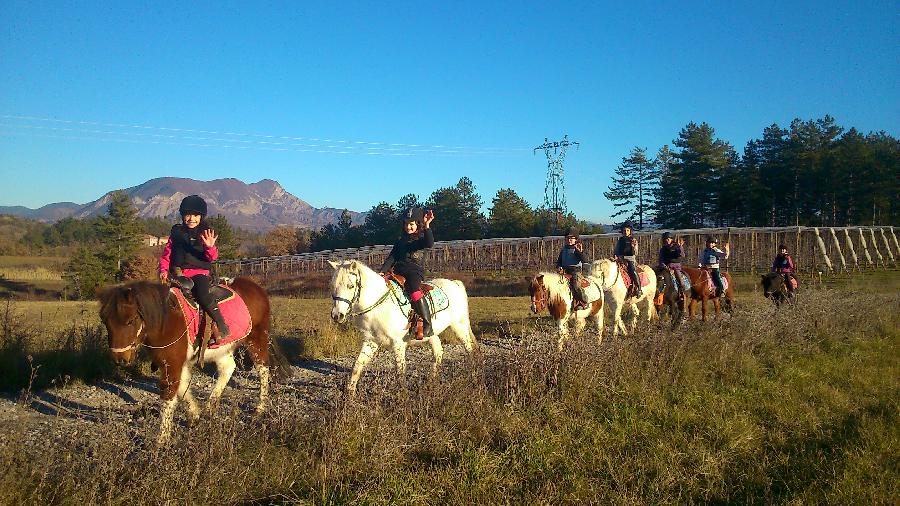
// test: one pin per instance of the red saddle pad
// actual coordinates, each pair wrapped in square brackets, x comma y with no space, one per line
[233,308]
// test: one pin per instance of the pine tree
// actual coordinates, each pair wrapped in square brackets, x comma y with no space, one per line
[227,243]
[382,224]
[457,211]
[119,231]
[634,187]
[510,215]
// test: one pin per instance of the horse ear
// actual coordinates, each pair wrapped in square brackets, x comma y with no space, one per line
[540,279]
[354,265]
[333,264]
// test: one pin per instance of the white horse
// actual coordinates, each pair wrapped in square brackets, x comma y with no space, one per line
[361,294]
[551,291]
[615,292]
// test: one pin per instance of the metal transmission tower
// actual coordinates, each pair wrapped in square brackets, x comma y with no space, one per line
[555,187]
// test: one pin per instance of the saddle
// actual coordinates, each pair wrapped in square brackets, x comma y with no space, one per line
[218,289]
[199,327]
[584,283]
[712,283]
[401,280]
[623,272]
[435,299]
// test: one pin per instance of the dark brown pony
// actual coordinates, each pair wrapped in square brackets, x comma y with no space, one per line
[145,314]
[669,296]
[701,292]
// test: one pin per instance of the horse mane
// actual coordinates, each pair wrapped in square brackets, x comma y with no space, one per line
[149,299]
[557,286]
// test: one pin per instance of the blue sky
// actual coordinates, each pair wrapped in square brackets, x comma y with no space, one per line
[493,78]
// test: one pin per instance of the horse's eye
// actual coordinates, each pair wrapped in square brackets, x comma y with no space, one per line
[350,285]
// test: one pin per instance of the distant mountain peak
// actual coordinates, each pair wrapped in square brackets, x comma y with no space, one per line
[257,206]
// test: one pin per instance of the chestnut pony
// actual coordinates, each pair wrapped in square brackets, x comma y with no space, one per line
[702,292]
[146,314]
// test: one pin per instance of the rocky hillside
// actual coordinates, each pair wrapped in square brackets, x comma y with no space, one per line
[258,206]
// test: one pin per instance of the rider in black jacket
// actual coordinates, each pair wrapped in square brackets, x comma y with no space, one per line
[626,251]
[404,260]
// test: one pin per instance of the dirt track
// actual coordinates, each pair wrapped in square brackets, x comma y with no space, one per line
[46,418]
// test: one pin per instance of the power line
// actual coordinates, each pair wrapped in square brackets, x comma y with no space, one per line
[345,144]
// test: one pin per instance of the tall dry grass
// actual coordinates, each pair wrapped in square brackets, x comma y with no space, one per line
[763,407]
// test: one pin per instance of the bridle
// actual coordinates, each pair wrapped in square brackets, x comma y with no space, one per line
[541,299]
[139,341]
[357,290]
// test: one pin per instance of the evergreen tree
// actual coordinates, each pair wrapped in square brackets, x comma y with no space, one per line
[510,215]
[84,273]
[408,201]
[227,243]
[634,187]
[669,209]
[382,224]
[119,231]
[700,163]
[458,211]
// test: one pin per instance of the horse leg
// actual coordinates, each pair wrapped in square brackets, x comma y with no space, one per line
[168,390]
[400,358]
[635,313]
[703,308]
[369,348]
[225,367]
[262,370]
[463,330]
[563,330]
[184,392]
[438,350]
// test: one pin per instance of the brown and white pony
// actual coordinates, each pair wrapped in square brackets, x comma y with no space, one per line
[551,291]
[146,314]
[701,291]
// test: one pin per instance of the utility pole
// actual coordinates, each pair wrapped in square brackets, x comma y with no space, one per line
[555,187]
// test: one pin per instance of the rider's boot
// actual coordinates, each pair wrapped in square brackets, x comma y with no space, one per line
[421,308]
[216,315]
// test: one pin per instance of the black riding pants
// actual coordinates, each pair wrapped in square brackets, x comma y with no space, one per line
[201,293]
[414,274]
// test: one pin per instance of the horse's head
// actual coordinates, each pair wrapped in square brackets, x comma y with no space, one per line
[772,285]
[119,313]
[346,285]
[130,313]
[540,295]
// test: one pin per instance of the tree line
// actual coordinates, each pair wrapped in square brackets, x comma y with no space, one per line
[459,216]
[812,173]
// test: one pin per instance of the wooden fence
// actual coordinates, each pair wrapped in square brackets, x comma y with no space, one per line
[814,249]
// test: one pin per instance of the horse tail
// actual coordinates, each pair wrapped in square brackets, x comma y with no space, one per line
[279,363]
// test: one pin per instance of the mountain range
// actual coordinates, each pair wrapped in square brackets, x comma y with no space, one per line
[258,206]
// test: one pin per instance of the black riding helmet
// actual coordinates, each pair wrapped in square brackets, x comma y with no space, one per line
[782,247]
[711,240]
[572,232]
[193,204]
[625,225]
[666,235]
[416,214]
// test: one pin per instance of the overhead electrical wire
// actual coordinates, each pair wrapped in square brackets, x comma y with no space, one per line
[236,140]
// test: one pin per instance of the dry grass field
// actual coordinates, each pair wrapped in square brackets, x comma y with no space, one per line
[794,406]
